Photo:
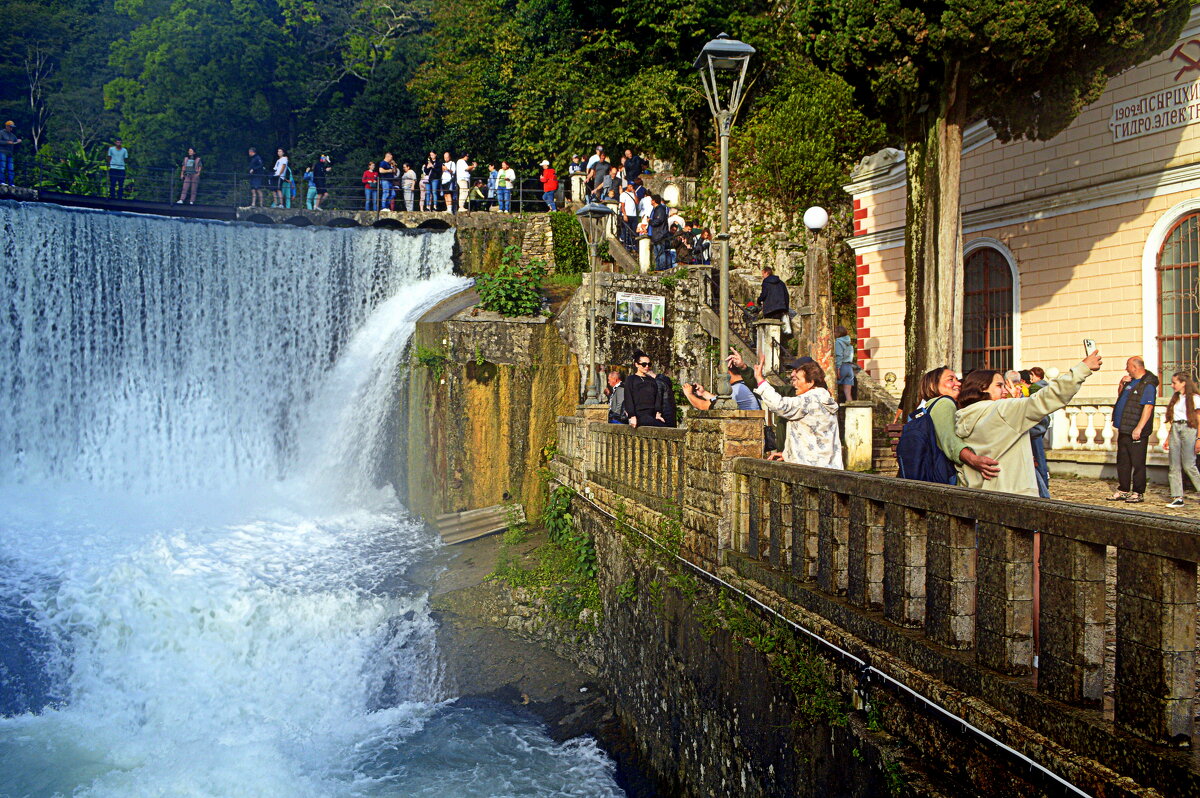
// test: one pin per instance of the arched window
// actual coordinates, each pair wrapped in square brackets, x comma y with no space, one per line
[1179,299]
[987,311]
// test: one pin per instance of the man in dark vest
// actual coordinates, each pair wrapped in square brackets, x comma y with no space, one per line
[1131,417]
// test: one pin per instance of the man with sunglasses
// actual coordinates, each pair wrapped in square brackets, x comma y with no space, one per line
[643,396]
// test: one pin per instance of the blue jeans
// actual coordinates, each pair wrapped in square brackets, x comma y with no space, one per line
[431,193]
[6,168]
[1039,456]
[388,193]
[548,198]
[662,256]
[369,192]
[505,198]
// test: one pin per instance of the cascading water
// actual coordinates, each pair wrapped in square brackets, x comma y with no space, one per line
[202,585]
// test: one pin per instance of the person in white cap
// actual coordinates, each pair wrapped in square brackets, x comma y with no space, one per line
[549,185]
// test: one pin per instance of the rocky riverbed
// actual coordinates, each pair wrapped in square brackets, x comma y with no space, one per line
[496,643]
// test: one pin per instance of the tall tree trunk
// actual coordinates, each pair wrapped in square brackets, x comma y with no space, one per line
[933,274]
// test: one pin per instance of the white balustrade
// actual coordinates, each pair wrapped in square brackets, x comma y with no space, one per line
[1088,427]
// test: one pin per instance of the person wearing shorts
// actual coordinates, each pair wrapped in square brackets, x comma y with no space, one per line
[843,356]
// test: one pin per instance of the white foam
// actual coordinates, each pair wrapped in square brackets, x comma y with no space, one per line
[190,468]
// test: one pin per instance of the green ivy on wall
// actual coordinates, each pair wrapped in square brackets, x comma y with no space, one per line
[570,250]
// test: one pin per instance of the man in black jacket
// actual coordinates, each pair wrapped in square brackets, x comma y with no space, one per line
[643,394]
[634,166]
[773,301]
[256,178]
[658,231]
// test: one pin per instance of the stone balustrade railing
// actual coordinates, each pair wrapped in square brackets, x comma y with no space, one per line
[1085,425]
[571,430]
[936,584]
[645,465]
[959,566]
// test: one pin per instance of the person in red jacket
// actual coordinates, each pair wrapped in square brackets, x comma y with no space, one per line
[549,185]
[370,181]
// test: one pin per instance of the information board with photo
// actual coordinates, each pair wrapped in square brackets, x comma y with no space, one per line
[642,310]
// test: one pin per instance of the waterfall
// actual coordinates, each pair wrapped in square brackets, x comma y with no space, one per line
[164,354]
[204,589]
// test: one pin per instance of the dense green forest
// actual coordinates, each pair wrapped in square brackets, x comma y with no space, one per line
[515,79]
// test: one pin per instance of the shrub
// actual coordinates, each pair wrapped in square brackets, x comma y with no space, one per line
[514,289]
[433,359]
[570,250]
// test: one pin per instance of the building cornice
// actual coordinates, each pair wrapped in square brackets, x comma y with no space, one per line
[881,171]
[1143,187]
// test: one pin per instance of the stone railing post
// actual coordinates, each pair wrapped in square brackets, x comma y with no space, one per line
[950,580]
[613,221]
[1004,615]
[644,254]
[1060,430]
[858,435]
[1156,646]
[710,505]
[588,444]
[904,538]
[865,567]
[578,187]
[832,540]
[1071,661]
[767,333]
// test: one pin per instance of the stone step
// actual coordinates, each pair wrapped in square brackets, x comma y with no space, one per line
[471,524]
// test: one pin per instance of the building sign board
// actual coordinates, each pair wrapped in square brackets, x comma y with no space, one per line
[1177,106]
[642,310]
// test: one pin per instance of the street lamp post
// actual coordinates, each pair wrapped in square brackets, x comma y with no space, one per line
[724,61]
[818,280]
[591,219]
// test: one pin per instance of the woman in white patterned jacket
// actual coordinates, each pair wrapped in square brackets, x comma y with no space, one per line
[813,437]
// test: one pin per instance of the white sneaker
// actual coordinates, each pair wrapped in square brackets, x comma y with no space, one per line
[1176,502]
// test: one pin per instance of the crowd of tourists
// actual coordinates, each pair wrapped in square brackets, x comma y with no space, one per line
[986,430]
[675,240]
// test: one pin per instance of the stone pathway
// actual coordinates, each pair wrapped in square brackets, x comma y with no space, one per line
[1095,491]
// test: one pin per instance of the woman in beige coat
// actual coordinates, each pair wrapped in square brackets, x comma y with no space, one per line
[998,427]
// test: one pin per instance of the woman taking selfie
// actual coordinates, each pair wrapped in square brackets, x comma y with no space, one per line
[995,425]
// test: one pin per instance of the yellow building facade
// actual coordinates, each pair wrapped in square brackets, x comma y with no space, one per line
[1093,234]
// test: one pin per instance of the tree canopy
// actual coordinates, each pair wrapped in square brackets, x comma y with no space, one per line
[929,69]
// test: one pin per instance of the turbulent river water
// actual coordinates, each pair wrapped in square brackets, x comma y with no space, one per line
[204,589]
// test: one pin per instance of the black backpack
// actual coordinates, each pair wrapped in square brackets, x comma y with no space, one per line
[918,453]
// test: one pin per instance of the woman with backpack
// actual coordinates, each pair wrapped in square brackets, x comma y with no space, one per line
[1181,441]
[929,450]
[997,426]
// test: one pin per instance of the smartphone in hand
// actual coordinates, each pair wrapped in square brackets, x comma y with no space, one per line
[1089,346]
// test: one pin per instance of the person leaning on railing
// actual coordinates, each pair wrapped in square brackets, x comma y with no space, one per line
[643,396]
[997,426]
[813,437]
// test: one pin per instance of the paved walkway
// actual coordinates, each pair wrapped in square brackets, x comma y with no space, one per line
[1095,491]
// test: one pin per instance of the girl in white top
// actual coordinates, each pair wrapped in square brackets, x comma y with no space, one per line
[280,169]
[1183,414]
